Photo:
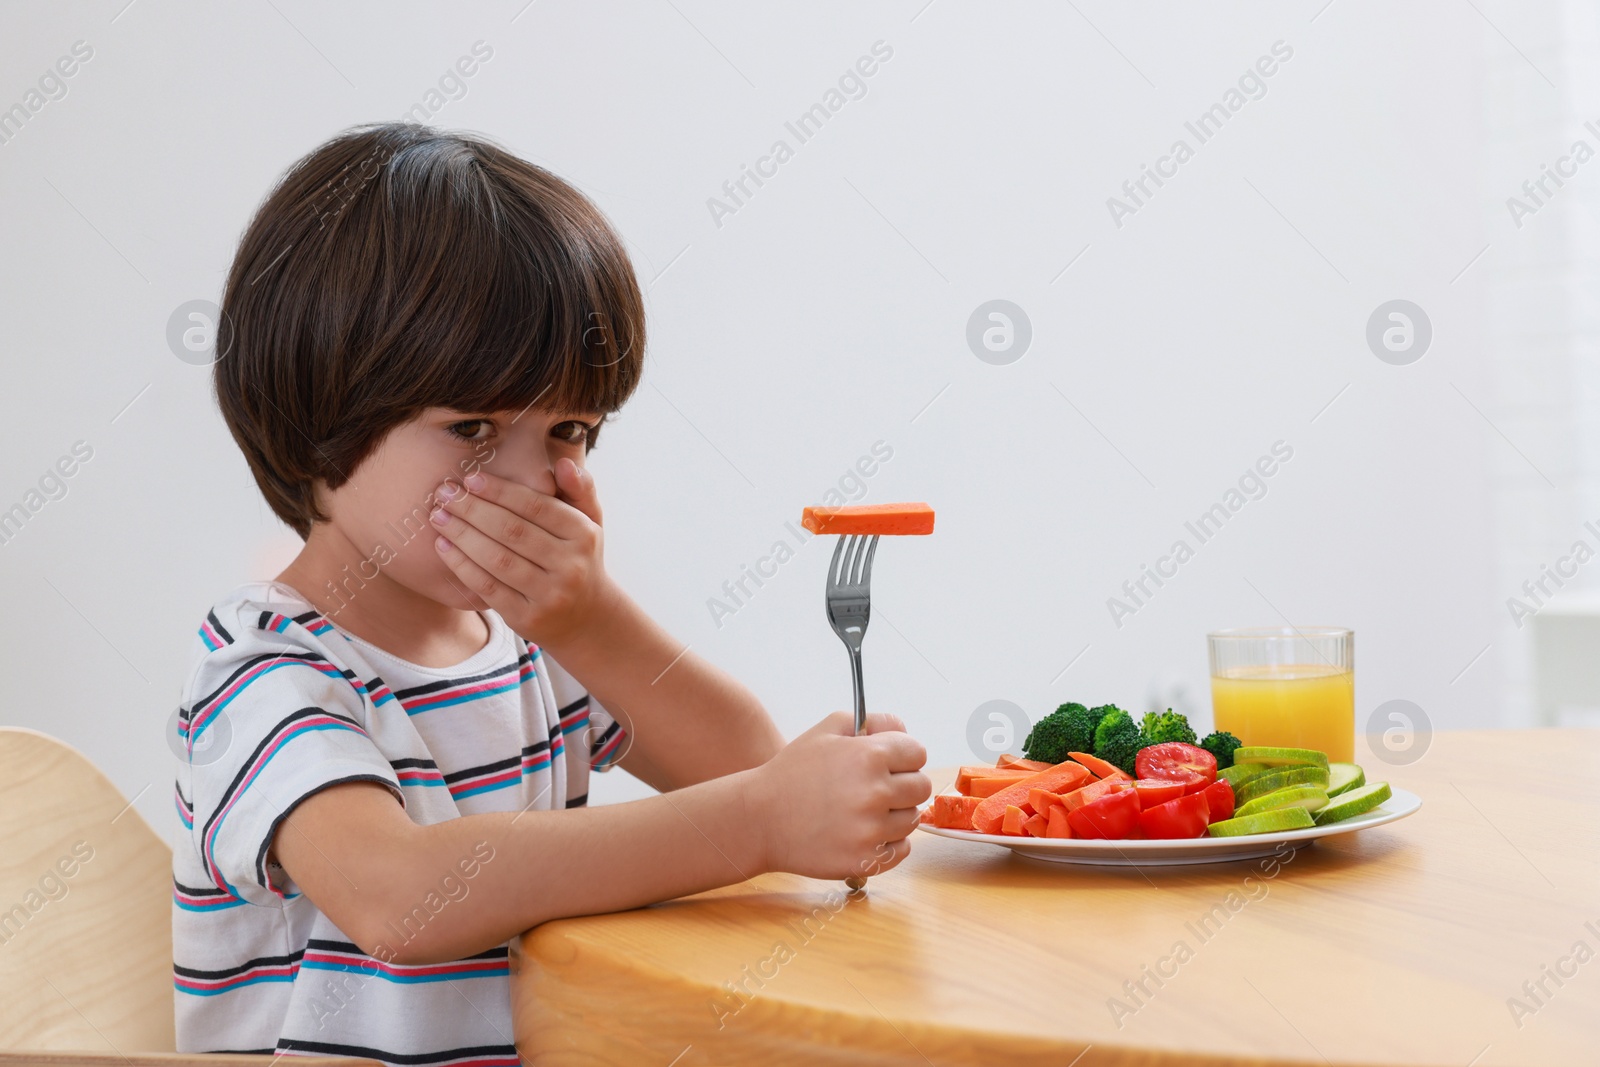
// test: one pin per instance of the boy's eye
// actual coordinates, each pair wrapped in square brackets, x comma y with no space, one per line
[572,431]
[471,429]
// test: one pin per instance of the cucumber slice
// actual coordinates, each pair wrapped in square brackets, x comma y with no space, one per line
[1310,797]
[1279,757]
[1343,777]
[1281,778]
[1357,801]
[1239,773]
[1265,822]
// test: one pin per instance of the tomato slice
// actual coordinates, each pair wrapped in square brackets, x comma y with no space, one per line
[1185,817]
[1190,781]
[1219,799]
[1153,791]
[1175,759]
[1112,816]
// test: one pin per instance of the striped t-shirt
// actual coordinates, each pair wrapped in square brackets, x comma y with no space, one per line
[279,704]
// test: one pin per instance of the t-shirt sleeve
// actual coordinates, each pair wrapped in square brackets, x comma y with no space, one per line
[268,720]
[606,737]
[584,720]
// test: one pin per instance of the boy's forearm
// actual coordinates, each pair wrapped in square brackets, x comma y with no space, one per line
[535,866]
[696,721]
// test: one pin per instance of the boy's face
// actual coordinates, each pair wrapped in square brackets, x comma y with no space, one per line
[383,508]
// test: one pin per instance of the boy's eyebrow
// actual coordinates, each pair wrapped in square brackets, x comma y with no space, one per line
[585,412]
[592,414]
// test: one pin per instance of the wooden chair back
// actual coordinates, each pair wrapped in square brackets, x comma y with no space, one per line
[85,906]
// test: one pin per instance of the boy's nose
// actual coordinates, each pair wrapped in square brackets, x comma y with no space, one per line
[537,477]
[526,463]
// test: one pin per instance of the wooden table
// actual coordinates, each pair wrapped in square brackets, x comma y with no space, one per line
[1402,944]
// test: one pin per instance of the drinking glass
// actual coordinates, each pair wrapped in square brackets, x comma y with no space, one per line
[1286,687]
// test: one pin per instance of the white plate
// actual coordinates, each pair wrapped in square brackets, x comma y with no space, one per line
[1160,853]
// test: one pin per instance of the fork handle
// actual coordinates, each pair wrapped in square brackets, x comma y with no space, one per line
[861,695]
[855,881]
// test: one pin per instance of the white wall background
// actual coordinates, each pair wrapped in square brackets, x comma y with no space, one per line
[830,312]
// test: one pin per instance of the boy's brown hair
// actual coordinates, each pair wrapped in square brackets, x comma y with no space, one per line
[398,267]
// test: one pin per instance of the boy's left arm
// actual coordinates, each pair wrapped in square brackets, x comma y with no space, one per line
[688,720]
[536,559]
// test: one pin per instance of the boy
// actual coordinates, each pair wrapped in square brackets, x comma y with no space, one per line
[387,765]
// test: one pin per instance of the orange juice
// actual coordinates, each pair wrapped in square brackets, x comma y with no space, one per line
[1297,705]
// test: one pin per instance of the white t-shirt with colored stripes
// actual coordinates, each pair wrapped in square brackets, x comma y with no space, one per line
[279,704]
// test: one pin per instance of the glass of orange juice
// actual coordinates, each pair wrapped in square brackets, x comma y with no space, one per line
[1286,687]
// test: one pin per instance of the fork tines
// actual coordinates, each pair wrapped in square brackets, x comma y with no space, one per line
[849,568]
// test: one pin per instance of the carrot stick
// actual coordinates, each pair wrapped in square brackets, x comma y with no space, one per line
[1056,825]
[914,518]
[1008,762]
[953,812]
[1061,778]
[989,786]
[1100,767]
[966,775]
[1042,800]
[1093,791]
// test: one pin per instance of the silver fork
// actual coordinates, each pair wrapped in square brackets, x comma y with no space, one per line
[849,608]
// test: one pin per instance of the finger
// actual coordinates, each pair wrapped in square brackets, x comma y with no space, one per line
[901,751]
[880,721]
[901,822]
[835,722]
[502,525]
[475,579]
[577,488]
[909,788]
[500,561]
[887,856]
[843,722]
[549,513]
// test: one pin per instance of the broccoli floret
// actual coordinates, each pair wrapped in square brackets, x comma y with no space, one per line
[1117,739]
[1084,720]
[1070,728]
[1169,725]
[1109,715]
[1049,738]
[1102,711]
[1221,745]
